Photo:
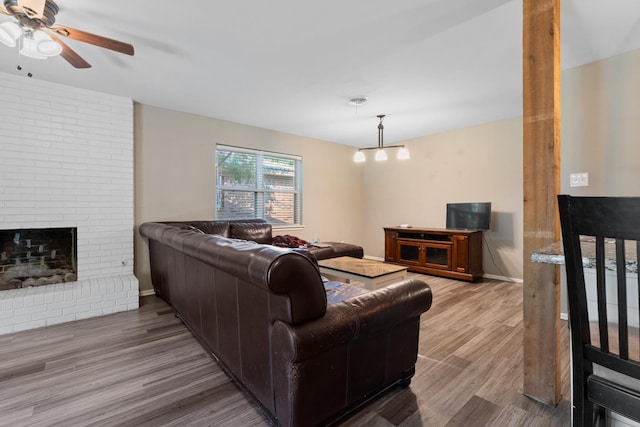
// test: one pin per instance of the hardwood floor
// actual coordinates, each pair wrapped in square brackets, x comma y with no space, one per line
[143,368]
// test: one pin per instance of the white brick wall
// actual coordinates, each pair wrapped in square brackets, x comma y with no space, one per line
[66,160]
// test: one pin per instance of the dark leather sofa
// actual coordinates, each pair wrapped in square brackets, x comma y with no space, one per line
[260,231]
[262,312]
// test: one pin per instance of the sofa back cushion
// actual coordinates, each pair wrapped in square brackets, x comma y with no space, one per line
[220,228]
[254,231]
[290,281]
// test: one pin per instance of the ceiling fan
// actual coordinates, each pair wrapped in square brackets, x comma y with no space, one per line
[37,33]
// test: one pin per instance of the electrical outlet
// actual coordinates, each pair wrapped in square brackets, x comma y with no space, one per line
[579,179]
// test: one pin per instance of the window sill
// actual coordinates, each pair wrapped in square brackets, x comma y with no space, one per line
[287,227]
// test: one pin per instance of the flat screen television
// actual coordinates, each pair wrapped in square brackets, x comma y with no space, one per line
[469,216]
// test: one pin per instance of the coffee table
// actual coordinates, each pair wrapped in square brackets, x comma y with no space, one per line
[374,274]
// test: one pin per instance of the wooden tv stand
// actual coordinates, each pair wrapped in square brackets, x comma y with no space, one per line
[456,254]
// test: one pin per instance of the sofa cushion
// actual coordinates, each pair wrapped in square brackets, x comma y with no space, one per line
[336,249]
[186,227]
[255,231]
[220,228]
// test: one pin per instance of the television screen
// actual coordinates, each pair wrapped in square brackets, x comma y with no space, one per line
[469,216]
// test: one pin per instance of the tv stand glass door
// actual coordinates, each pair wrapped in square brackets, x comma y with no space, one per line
[422,253]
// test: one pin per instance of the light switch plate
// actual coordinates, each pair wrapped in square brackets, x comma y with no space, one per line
[580,179]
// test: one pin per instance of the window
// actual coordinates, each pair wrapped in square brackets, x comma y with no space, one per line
[258,184]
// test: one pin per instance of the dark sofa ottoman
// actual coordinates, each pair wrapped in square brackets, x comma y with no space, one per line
[336,249]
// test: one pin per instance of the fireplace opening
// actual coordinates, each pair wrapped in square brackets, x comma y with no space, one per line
[37,256]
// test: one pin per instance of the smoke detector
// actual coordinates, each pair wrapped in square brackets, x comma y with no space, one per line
[357,100]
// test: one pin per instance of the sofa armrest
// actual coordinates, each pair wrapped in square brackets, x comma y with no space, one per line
[348,320]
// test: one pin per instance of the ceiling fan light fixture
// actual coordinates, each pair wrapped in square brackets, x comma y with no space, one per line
[29,49]
[35,33]
[39,45]
[9,33]
[45,45]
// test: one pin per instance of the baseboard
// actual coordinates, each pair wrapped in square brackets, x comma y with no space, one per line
[508,279]
[147,292]
[488,276]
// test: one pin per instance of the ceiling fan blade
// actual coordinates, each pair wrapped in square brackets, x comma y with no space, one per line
[93,39]
[70,55]
[33,8]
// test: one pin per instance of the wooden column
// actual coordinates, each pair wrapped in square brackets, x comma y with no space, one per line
[541,155]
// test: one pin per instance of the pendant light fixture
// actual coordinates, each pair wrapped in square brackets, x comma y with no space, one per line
[381,154]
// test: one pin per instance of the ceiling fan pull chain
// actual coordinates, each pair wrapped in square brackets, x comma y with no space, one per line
[28,63]
[18,57]
[19,46]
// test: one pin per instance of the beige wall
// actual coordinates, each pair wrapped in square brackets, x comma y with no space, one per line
[601,126]
[175,176]
[476,164]
[344,201]
[175,179]
[601,129]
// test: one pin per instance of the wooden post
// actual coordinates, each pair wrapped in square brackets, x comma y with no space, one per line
[541,155]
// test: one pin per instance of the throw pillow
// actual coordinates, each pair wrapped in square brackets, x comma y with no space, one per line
[288,241]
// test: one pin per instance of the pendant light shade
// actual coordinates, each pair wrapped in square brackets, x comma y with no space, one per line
[381,155]
[359,157]
[403,154]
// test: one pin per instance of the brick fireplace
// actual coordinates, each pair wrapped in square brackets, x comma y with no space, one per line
[37,257]
[66,163]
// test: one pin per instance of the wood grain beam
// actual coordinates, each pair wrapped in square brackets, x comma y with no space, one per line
[541,155]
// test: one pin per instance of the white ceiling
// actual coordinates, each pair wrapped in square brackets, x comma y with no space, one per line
[290,65]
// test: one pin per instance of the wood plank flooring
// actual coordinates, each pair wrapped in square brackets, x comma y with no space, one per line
[143,368]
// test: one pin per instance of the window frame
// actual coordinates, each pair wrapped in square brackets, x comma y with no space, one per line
[259,190]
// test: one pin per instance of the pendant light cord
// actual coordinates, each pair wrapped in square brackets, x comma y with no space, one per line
[380,132]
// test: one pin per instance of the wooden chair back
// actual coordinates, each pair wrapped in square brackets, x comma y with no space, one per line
[603,317]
